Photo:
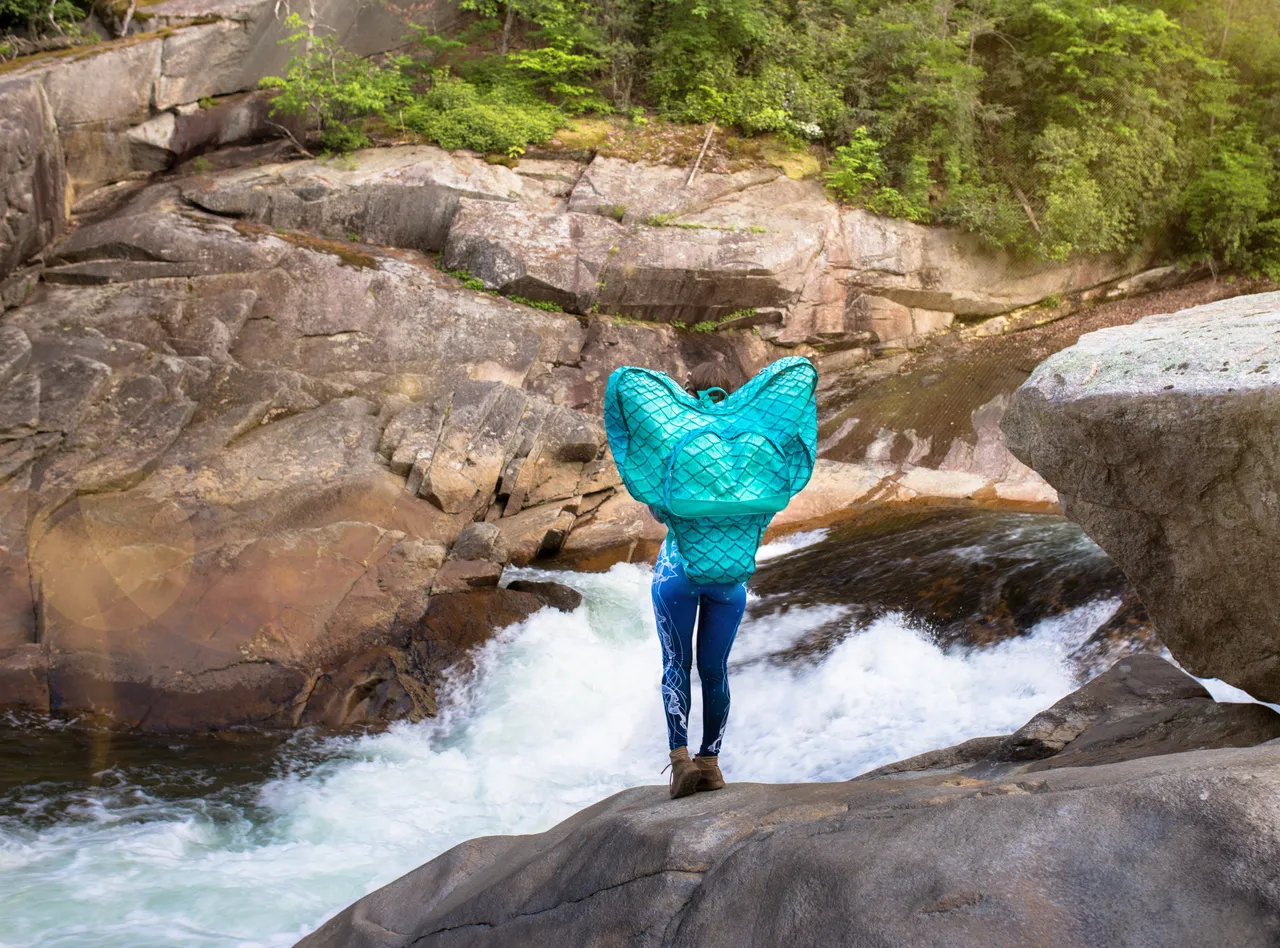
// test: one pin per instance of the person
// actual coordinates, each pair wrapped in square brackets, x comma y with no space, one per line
[715,467]
[717,610]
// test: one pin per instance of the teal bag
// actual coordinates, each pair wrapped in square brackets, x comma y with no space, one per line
[715,472]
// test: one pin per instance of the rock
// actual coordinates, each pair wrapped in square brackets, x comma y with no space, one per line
[539,255]
[458,621]
[1142,707]
[203,61]
[691,275]
[947,270]
[633,192]
[459,575]
[404,196]
[99,92]
[208,597]
[618,530]
[111,84]
[170,137]
[1159,438]
[924,862]
[537,532]
[479,436]
[15,353]
[479,541]
[834,486]
[24,678]
[32,175]
[243,556]
[376,687]
[556,595]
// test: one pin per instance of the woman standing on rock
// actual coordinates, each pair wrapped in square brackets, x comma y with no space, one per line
[714,463]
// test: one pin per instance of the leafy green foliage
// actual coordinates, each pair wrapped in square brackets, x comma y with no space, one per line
[1049,127]
[457,114]
[40,16]
[1227,201]
[544,305]
[467,280]
[327,84]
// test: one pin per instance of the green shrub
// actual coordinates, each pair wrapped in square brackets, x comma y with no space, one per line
[1227,203]
[41,16]
[326,84]
[456,114]
[467,280]
[857,168]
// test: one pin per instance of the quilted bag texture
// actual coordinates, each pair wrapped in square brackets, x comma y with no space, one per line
[715,473]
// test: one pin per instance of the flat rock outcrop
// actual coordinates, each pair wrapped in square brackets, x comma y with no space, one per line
[1130,852]
[1161,440]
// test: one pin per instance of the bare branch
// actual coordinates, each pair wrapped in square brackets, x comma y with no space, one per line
[705,142]
[289,135]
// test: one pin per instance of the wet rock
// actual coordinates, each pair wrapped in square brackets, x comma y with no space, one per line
[375,687]
[1160,439]
[32,175]
[459,575]
[24,678]
[925,862]
[1142,707]
[557,595]
[458,621]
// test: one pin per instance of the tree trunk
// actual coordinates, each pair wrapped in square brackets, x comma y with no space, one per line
[506,26]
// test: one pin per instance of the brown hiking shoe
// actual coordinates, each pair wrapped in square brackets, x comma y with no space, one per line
[709,776]
[685,775]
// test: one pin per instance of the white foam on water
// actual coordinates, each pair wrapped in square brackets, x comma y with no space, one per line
[790,543]
[561,710]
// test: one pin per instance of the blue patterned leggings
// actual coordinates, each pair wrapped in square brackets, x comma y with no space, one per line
[718,609]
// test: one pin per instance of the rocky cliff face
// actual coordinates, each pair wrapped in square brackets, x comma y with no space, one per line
[246,424]
[1069,832]
[1161,439]
[129,105]
[234,464]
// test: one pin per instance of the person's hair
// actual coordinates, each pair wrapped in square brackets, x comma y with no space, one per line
[712,374]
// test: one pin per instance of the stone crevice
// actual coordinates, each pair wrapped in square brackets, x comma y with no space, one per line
[559,905]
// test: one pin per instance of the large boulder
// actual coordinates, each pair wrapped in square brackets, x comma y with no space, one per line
[1099,851]
[1160,438]
[32,182]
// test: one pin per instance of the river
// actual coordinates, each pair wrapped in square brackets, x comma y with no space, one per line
[863,644]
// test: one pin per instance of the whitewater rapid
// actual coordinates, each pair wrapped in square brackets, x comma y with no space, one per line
[559,711]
